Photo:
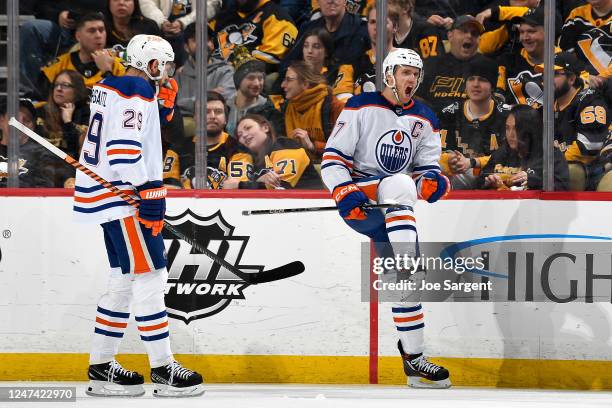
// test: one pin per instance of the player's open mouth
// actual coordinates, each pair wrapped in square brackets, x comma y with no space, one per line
[467,45]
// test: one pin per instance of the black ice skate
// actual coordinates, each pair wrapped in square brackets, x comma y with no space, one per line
[422,373]
[174,380]
[112,380]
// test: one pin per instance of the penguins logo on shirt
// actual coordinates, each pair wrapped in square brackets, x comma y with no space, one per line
[393,151]
[4,167]
[527,89]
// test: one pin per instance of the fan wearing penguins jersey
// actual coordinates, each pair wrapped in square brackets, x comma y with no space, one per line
[582,120]
[473,129]
[384,148]
[225,157]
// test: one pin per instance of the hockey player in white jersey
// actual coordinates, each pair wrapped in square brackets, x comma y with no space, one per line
[123,145]
[385,148]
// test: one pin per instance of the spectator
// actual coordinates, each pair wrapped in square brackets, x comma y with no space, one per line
[594,50]
[225,156]
[173,17]
[249,81]
[125,20]
[414,33]
[35,162]
[444,81]
[51,33]
[503,36]
[310,110]
[63,120]
[319,54]
[518,78]
[91,60]
[349,34]
[594,14]
[517,164]
[364,67]
[279,163]
[582,119]
[219,76]
[473,129]
[260,25]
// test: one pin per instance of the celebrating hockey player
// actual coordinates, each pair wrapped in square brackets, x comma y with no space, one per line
[385,148]
[123,145]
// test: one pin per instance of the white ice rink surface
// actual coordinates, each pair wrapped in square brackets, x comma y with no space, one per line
[328,396]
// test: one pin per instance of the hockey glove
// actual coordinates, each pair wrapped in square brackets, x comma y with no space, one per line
[152,205]
[349,199]
[166,98]
[433,186]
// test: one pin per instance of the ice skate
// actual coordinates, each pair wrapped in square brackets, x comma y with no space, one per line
[174,380]
[422,373]
[112,380]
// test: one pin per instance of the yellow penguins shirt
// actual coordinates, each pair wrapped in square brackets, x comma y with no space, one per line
[473,137]
[364,72]
[581,126]
[497,39]
[581,20]
[340,79]
[90,71]
[289,159]
[268,32]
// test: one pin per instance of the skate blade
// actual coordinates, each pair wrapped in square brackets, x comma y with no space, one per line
[420,382]
[163,391]
[108,389]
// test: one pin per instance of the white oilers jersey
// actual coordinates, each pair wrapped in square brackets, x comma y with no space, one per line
[373,137]
[123,146]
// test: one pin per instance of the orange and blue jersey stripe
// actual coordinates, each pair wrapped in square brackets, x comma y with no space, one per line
[123,151]
[98,198]
[334,157]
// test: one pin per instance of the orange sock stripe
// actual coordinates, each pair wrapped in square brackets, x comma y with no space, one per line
[401,217]
[123,151]
[151,328]
[111,324]
[140,262]
[408,319]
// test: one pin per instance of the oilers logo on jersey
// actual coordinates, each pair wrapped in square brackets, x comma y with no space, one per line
[393,151]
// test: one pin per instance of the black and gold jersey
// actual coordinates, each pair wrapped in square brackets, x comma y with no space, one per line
[594,48]
[472,137]
[364,72]
[289,159]
[341,80]
[268,32]
[445,78]
[358,7]
[581,126]
[581,20]
[424,38]
[71,61]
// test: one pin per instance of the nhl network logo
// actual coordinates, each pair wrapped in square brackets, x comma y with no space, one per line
[197,287]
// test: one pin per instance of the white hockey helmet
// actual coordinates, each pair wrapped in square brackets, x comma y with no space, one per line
[405,57]
[144,48]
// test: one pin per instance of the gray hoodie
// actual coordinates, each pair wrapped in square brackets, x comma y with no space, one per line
[220,74]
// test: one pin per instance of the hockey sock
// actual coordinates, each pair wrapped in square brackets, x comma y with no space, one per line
[151,317]
[112,317]
[409,321]
[401,225]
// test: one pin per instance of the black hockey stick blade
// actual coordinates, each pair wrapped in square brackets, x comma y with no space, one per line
[282,272]
[314,209]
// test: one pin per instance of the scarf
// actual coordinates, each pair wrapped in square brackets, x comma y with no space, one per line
[305,111]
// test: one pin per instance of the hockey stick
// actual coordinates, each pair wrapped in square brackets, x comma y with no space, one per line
[282,272]
[313,209]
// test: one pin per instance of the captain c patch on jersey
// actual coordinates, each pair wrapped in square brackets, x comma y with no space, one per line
[393,151]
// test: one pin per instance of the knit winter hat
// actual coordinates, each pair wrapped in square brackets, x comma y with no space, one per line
[245,64]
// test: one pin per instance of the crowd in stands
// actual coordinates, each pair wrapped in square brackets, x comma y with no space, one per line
[280,71]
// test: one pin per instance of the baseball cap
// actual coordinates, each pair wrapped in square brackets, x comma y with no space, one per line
[23,102]
[566,61]
[467,19]
[535,17]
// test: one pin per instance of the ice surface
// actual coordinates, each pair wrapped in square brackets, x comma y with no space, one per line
[332,396]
